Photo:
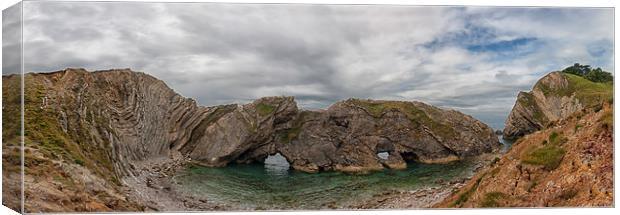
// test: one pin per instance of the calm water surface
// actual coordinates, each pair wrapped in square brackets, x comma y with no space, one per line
[274,185]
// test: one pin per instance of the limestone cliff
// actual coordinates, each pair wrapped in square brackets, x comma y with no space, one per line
[565,158]
[567,165]
[349,134]
[555,96]
[89,134]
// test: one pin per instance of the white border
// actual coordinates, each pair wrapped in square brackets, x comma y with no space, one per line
[562,3]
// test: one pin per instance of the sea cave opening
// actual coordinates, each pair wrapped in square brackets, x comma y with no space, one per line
[409,157]
[277,163]
[383,155]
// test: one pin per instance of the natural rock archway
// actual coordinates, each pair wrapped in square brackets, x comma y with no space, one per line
[135,117]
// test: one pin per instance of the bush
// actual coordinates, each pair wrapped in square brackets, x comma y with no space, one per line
[495,160]
[79,162]
[492,199]
[568,194]
[594,75]
[553,137]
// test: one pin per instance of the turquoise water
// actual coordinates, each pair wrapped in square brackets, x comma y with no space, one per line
[274,185]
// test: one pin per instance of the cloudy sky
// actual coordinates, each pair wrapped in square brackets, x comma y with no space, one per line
[472,59]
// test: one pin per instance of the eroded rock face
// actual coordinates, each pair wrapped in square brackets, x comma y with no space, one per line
[349,134]
[555,96]
[124,118]
[578,174]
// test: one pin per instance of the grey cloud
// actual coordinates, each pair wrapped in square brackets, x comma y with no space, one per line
[11,39]
[224,53]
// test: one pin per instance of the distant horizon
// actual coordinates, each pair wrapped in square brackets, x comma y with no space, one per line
[473,59]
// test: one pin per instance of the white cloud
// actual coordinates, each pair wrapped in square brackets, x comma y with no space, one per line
[223,53]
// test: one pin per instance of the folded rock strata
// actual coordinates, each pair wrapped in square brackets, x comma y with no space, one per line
[554,97]
[121,118]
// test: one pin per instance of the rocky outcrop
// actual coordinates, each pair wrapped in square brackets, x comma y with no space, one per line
[569,164]
[349,134]
[555,96]
[113,124]
[564,159]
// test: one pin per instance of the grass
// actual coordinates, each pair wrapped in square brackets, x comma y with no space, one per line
[76,144]
[463,197]
[265,109]
[549,155]
[590,94]
[290,134]
[416,115]
[11,111]
[492,199]
[607,118]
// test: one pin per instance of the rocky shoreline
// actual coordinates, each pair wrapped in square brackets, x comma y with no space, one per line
[154,182]
[424,197]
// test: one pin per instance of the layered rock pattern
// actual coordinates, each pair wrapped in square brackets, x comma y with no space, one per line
[349,134]
[564,159]
[123,117]
[569,164]
[555,96]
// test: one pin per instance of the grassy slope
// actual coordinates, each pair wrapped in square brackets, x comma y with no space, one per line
[574,155]
[49,149]
[569,164]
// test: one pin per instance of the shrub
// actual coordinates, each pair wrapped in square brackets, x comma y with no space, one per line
[79,162]
[568,194]
[492,199]
[594,75]
[495,160]
[553,137]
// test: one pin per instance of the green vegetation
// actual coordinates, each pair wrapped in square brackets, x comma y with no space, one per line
[11,109]
[577,127]
[589,93]
[554,138]
[495,160]
[76,144]
[549,155]
[529,101]
[417,116]
[607,119]
[463,197]
[265,109]
[492,199]
[290,134]
[79,162]
[595,75]
[568,194]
